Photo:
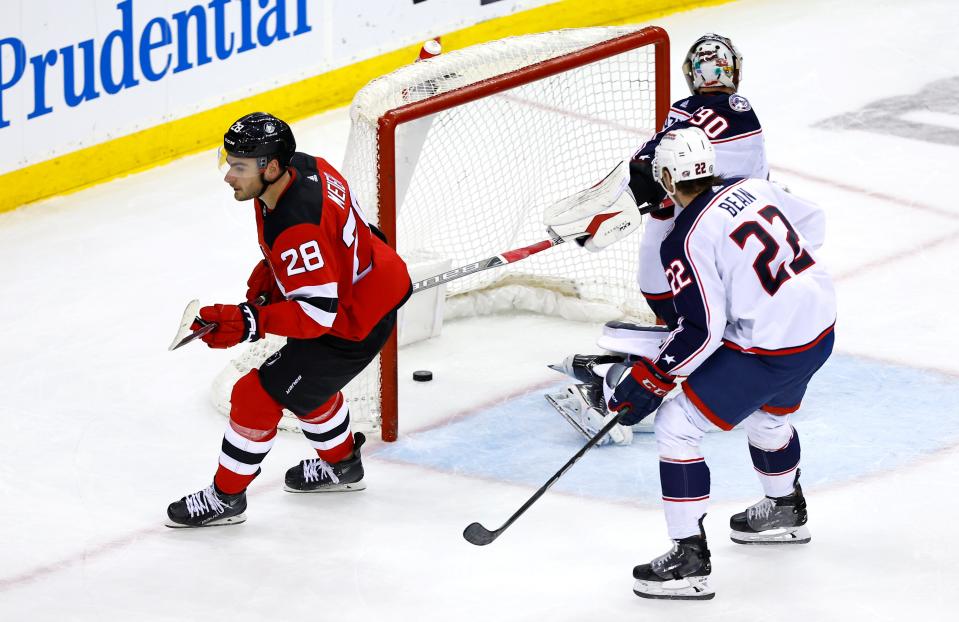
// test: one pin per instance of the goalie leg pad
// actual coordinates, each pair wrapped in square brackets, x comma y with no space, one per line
[587,368]
[583,407]
[634,339]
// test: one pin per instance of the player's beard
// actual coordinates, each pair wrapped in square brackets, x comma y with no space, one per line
[245,194]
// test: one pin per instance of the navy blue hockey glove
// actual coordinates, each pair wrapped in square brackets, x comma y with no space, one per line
[641,389]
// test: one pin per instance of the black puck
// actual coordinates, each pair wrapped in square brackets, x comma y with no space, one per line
[423,375]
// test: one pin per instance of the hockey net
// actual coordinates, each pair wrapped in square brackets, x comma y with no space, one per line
[456,157]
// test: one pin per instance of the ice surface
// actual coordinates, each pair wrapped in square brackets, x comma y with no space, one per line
[102,427]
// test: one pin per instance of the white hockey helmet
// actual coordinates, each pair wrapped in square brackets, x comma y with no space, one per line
[713,61]
[688,155]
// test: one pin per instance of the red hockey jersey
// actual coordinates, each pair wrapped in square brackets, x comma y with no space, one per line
[338,277]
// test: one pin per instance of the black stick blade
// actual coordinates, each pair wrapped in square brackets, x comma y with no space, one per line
[479,535]
[203,330]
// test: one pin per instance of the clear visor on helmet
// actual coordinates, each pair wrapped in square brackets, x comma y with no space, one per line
[236,166]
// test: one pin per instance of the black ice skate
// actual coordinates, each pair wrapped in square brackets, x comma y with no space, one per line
[315,475]
[680,574]
[774,520]
[207,508]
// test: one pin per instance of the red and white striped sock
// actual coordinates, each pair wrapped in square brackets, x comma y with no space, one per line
[328,429]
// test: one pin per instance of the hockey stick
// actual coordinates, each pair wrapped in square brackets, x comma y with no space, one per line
[495,261]
[203,330]
[507,258]
[481,536]
[183,334]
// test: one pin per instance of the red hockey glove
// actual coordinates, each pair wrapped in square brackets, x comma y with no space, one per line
[641,390]
[235,324]
[263,283]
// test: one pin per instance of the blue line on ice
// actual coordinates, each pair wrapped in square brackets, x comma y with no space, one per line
[859,418]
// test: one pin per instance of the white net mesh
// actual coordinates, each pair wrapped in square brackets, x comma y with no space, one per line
[364,401]
[472,180]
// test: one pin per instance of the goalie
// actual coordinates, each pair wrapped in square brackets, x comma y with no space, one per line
[712,68]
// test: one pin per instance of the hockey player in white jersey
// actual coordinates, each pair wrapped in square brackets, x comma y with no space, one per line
[713,70]
[755,315]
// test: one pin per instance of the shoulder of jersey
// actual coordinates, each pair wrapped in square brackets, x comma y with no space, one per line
[718,189]
[305,164]
[303,201]
[685,104]
[739,103]
[735,102]
[306,167]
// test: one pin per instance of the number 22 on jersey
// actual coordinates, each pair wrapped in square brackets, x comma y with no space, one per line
[676,277]
[801,259]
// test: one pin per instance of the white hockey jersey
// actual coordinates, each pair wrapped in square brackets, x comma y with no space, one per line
[741,266]
[737,136]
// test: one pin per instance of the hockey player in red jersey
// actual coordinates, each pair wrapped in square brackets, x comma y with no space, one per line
[328,282]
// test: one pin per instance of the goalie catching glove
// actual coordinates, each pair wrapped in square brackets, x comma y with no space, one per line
[235,324]
[640,388]
[586,203]
[603,214]
[605,229]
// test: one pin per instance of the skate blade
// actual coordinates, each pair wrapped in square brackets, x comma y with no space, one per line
[690,588]
[556,401]
[792,535]
[355,486]
[644,427]
[223,522]
[620,436]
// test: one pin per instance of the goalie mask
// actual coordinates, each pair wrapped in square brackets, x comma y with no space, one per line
[687,154]
[713,61]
